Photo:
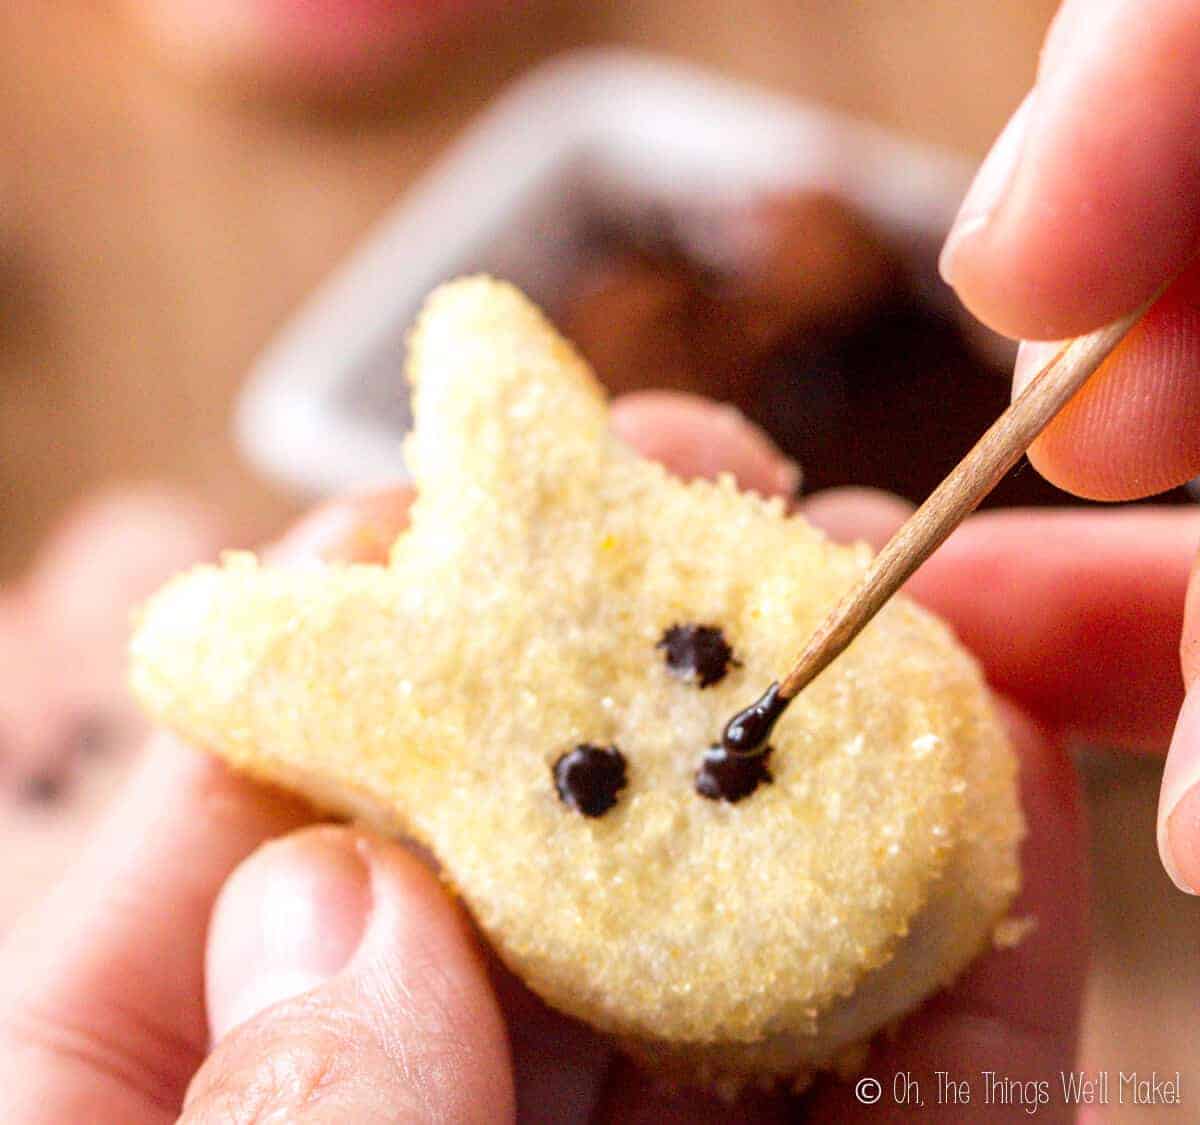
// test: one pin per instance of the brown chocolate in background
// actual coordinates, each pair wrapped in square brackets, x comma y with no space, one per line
[824,340]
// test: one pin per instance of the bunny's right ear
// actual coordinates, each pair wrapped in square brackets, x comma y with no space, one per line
[505,408]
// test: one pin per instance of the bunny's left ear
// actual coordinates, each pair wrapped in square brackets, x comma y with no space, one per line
[261,662]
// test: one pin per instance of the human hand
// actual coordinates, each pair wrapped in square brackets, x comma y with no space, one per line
[68,726]
[1088,203]
[64,624]
[338,981]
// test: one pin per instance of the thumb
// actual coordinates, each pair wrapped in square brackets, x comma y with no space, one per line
[1084,208]
[1087,202]
[344,985]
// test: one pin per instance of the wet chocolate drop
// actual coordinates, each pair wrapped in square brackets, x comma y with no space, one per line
[697,652]
[723,776]
[588,778]
[747,732]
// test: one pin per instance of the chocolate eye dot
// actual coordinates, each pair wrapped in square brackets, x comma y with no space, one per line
[589,778]
[697,652]
[724,776]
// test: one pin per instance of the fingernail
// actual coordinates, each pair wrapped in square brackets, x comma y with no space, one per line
[769,468]
[988,188]
[789,478]
[1032,356]
[360,527]
[1179,801]
[291,917]
[313,537]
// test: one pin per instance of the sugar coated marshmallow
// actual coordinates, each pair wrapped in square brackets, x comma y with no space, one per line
[535,685]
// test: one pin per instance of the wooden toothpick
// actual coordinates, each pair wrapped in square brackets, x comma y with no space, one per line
[1000,448]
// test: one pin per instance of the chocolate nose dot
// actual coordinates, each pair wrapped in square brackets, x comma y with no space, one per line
[724,776]
[697,652]
[588,778]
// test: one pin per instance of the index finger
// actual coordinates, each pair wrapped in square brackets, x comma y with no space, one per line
[1075,613]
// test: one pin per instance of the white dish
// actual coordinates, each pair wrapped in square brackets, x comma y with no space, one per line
[591,134]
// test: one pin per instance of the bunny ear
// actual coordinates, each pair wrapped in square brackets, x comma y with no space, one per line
[261,665]
[258,665]
[504,406]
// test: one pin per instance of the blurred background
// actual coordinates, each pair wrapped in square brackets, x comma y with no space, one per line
[178,176]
